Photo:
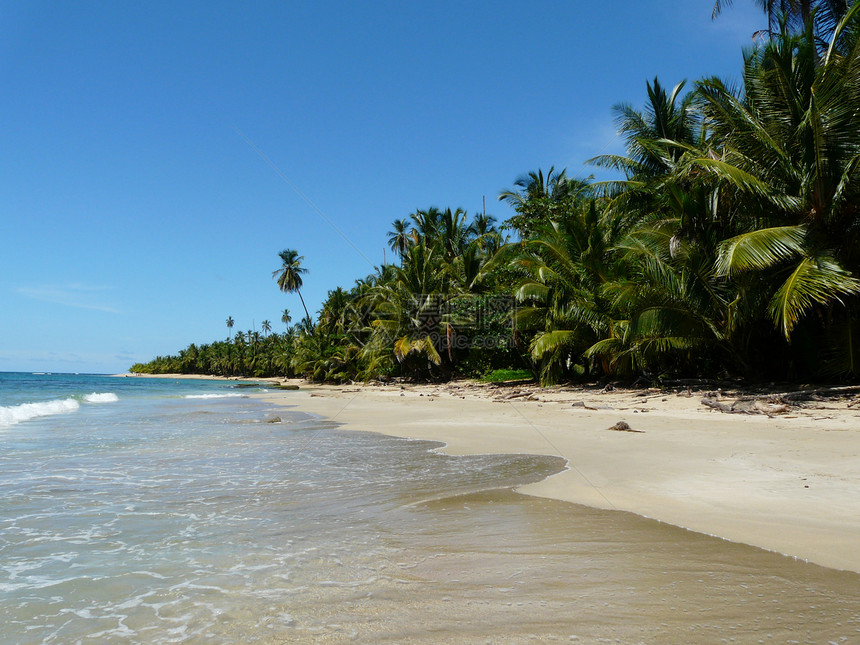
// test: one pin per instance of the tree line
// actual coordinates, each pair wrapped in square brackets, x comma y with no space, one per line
[727,247]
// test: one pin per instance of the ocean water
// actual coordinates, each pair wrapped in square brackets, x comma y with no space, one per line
[164,511]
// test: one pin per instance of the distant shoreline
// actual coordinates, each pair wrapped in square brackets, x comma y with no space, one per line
[200,377]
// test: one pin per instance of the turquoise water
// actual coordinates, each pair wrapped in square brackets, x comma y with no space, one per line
[164,511]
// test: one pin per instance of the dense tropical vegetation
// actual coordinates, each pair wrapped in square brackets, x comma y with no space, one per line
[729,245]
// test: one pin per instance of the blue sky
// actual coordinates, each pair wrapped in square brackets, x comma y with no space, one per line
[136,216]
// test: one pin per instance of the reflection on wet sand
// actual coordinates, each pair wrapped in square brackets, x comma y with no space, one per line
[497,566]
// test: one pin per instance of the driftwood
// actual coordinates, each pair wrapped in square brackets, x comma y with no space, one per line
[747,405]
[583,404]
[516,395]
[815,394]
[776,403]
[699,383]
[770,408]
[722,407]
[824,392]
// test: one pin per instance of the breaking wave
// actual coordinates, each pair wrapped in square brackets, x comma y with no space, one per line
[101,397]
[12,414]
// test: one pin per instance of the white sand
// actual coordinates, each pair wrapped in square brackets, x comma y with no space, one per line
[789,484]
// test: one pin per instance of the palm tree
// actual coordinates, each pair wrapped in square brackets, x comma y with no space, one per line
[289,275]
[790,152]
[400,237]
[540,199]
[336,310]
[532,185]
[483,225]
[454,233]
[669,310]
[564,266]
[484,230]
[286,318]
[229,325]
[656,136]
[823,15]
[408,308]
[426,224]
[266,326]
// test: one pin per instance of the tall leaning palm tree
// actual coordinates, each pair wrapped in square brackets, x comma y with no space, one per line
[289,275]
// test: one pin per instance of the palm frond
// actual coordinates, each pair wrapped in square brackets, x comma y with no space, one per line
[532,291]
[814,281]
[551,341]
[426,345]
[837,33]
[668,321]
[760,249]
[605,347]
[747,182]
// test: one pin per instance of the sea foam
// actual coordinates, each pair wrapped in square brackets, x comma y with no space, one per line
[215,396]
[12,414]
[101,397]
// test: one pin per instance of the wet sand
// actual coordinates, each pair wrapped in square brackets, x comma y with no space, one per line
[497,567]
[366,537]
[787,484]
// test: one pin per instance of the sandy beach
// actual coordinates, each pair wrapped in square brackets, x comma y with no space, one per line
[785,483]
[168,506]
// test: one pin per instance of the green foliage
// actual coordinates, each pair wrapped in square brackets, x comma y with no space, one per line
[731,244]
[247,354]
[416,318]
[502,375]
[542,200]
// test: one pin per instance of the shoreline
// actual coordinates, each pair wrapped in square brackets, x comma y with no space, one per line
[783,483]
[200,377]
